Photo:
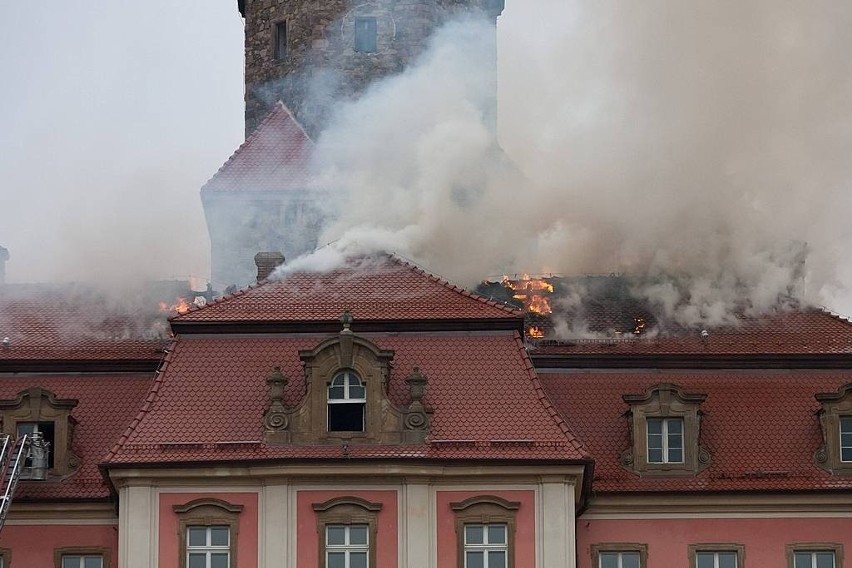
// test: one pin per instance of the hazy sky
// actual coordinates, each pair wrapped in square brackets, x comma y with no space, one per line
[638,117]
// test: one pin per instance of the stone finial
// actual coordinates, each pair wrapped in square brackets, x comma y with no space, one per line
[346,319]
[416,382]
[416,420]
[276,419]
[346,338]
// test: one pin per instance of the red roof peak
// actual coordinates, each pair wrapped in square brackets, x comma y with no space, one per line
[376,287]
[274,157]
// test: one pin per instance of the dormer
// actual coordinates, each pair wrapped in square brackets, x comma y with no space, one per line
[835,419]
[38,413]
[346,397]
[665,429]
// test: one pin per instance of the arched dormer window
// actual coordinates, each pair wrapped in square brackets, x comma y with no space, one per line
[347,401]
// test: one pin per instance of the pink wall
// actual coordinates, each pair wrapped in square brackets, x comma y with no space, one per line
[33,546]
[387,537]
[247,542]
[668,539]
[524,529]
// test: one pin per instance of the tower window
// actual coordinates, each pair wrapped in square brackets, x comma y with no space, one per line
[280,39]
[366,32]
[346,403]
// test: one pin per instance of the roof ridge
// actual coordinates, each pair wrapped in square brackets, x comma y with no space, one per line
[192,308]
[545,400]
[452,286]
[150,399]
[276,108]
[834,315]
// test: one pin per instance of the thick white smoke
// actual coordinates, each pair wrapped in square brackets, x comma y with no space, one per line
[696,147]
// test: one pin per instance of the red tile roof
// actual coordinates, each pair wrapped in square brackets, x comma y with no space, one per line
[107,403]
[807,331]
[274,158]
[760,427]
[208,403]
[74,323]
[381,288]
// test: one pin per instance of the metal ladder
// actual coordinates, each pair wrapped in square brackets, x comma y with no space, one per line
[13,455]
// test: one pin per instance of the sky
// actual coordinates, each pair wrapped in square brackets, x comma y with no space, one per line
[663,134]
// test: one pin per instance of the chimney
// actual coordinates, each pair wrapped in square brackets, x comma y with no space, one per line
[4,256]
[267,262]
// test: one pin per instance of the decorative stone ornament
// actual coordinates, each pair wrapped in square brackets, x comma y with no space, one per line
[416,421]
[276,420]
[346,339]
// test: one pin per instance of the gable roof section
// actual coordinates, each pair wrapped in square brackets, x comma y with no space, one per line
[806,331]
[378,288]
[760,427]
[274,158]
[207,404]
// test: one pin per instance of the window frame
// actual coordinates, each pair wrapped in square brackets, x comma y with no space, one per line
[347,374]
[347,511]
[5,557]
[373,41]
[662,401]
[207,512]
[695,549]
[841,419]
[347,548]
[277,55]
[485,510]
[665,448]
[82,551]
[619,547]
[833,547]
[208,549]
[486,547]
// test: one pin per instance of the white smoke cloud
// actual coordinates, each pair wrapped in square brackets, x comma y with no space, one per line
[695,147]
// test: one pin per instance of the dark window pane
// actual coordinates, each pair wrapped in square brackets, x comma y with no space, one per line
[655,426]
[655,455]
[219,536]
[336,392]
[497,534]
[675,426]
[336,560]
[473,534]
[348,417]
[335,535]
[475,559]
[197,561]
[358,560]
[219,560]
[358,534]
[629,560]
[197,536]
[356,392]
[675,455]
[846,454]
[70,562]
[825,560]
[496,559]
[93,562]
[727,560]
[802,560]
[704,560]
[609,560]
[280,40]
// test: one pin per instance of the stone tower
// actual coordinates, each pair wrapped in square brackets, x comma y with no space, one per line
[308,53]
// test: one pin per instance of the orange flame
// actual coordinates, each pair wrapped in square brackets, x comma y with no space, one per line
[181,307]
[539,305]
[535,332]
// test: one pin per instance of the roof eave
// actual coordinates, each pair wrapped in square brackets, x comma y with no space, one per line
[694,361]
[364,326]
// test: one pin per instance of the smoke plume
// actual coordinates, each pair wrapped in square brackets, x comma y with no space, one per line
[701,149]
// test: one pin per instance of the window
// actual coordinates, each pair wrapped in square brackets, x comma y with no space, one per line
[485,528]
[846,438]
[208,533]
[348,529]
[665,440]
[5,558]
[486,546]
[347,546]
[81,557]
[716,555]
[814,555]
[665,432]
[619,555]
[42,434]
[346,403]
[279,49]
[87,561]
[208,547]
[366,32]
[618,560]
[835,423]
